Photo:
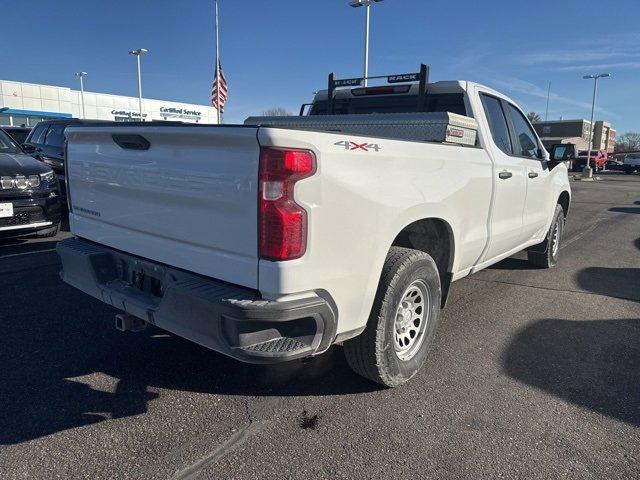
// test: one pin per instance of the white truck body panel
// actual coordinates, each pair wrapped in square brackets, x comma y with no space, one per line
[358,202]
[190,201]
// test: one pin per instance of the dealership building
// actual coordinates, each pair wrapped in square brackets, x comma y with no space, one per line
[28,103]
[577,132]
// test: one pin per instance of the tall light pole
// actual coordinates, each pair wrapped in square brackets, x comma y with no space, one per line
[546,112]
[81,75]
[137,53]
[367,5]
[217,66]
[593,109]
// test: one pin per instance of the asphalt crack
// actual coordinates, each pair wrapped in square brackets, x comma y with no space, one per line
[258,417]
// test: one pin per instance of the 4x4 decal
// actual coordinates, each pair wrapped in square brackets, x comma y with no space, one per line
[351,145]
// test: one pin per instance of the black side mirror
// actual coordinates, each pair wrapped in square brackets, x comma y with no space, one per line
[561,152]
[28,148]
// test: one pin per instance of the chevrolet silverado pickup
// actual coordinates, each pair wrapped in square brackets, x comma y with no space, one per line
[276,239]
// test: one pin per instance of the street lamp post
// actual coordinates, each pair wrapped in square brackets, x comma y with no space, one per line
[137,53]
[367,5]
[546,111]
[81,75]
[587,169]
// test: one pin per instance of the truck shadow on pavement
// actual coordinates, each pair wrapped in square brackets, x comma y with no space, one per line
[64,365]
[621,283]
[512,263]
[595,364]
[635,210]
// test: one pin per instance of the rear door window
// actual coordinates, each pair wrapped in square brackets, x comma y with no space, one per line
[497,123]
[55,136]
[38,134]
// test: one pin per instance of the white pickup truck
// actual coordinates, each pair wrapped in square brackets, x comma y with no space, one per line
[270,243]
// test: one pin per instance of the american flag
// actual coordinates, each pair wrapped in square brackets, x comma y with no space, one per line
[222,85]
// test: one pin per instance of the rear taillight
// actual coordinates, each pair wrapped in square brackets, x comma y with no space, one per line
[282,222]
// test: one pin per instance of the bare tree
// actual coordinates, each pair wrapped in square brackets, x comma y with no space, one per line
[276,112]
[629,142]
[534,117]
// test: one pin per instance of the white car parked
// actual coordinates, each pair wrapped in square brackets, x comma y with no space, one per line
[277,239]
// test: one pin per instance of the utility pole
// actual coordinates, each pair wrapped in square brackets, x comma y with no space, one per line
[367,5]
[546,112]
[217,65]
[81,75]
[138,53]
[587,169]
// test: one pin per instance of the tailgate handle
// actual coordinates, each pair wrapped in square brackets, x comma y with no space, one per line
[131,142]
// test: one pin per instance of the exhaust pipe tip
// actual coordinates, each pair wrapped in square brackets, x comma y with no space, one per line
[129,323]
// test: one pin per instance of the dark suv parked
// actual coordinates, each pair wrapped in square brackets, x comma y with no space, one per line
[46,143]
[29,194]
[19,134]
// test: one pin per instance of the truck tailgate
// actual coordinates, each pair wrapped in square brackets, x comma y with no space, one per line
[189,200]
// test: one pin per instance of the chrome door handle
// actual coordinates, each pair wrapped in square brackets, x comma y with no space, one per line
[533,174]
[505,174]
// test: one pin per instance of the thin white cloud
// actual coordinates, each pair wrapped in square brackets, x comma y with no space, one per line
[607,48]
[603,66]
[573,56]
[523,87]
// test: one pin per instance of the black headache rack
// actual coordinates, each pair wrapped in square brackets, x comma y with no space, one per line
[399,82]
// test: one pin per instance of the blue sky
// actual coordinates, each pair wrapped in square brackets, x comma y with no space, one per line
[277,52]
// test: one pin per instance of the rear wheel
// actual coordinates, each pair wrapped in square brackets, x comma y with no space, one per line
[402,323]
[545,254]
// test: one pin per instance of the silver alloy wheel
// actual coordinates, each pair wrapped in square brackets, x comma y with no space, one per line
[412,316]
[555,240]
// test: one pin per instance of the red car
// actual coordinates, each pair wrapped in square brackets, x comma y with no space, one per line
[598,160]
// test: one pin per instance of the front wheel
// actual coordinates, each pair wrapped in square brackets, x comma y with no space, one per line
[402,323]
[545,254]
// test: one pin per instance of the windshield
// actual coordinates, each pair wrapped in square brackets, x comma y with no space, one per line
[8,144]
[19,136]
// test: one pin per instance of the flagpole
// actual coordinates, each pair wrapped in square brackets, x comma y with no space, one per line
[217,65]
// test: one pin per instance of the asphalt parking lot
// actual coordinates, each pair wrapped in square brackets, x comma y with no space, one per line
[535,374]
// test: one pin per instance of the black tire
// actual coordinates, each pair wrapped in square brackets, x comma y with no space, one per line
[49,232]
[628,171]
[545,254]
[373,353]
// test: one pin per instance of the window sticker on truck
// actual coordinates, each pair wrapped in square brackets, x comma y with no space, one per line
[351,145]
